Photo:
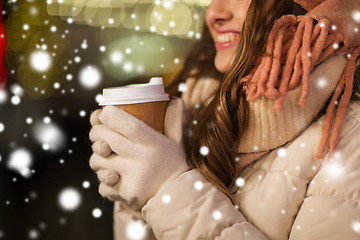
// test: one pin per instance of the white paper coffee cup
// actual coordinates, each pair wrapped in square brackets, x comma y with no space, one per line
[135,93]
[147,101]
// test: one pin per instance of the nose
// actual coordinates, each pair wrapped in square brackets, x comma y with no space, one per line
[218,12]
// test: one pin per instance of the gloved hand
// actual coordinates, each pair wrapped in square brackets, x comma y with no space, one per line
[133,160]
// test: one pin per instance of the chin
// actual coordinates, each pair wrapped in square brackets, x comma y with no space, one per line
[222,63]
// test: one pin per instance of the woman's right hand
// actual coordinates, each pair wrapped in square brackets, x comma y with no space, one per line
[132,159]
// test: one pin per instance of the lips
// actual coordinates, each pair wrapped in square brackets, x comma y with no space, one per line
[226,39]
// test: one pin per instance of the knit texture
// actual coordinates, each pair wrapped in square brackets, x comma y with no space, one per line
[295,46]
[269,129]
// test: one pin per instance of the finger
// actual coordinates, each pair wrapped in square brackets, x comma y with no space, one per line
[112,162]
[102,148]
[117,142]
[94,117]
[108,177]
[127,125]
[109,192]
[173,122]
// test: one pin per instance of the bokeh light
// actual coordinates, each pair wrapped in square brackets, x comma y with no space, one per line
[90,76]
[49,135]
[69,199]
[97,213]
[40,60]
[136,230]
[3,96]
[20,160]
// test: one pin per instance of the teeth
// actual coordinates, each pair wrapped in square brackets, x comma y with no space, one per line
[227,37]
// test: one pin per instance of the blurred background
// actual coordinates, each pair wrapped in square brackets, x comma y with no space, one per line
[60,55]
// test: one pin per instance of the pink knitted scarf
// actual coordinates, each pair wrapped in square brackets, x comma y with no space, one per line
[296,45]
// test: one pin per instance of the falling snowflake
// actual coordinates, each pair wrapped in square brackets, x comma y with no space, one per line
[56,85]
[77,59]
[15,100]
[69,77]
[33,234]
[321,82]
[29,120]
[86,184]
[204,150]
[116,57]
[97,212]
[240,182]
[99,98]
[136,230]
[355,225]
[128,51]
[49,135]
[40,60]
[20,160]
[166,198]
[356,15]
[42,225]
[82,113]
[217,215]
[281,152]
[90,77]
[128,66]
[198,185]
[17,90]
[69,199]
[62,221]
[182,87]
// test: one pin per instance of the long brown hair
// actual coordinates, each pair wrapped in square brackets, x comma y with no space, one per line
[225,119]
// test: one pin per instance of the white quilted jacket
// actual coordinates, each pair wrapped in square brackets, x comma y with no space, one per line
[287,195]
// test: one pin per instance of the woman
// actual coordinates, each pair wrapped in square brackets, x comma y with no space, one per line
[262,159]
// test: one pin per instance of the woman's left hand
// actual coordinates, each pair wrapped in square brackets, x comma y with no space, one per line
[133,160]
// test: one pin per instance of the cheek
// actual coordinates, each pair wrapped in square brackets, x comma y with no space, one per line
[207,17]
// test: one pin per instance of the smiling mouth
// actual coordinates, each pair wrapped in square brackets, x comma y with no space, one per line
[226,40]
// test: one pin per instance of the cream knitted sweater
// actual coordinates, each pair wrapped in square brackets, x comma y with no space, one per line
[268,128]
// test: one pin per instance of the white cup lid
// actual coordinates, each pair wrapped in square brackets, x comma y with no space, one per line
[135,93]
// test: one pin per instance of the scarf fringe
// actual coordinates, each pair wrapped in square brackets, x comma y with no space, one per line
[305,42]
[345,86]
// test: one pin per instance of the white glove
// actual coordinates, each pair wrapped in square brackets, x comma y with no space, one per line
[143,158]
